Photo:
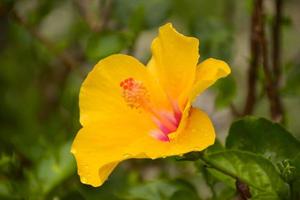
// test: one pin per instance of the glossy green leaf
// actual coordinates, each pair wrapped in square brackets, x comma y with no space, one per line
[263,137]
[226,193]
[216,147]
[229,181]
[221,185]
[296,164]
[254,170]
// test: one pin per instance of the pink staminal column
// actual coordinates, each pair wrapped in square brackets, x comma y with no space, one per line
[167,123]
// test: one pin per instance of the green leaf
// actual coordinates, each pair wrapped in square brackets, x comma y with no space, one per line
[226,193]
[296,164]
[221,185]
[295,190]
[295,182]
[5,190]
[254,170]
[216,147]
[261,136]
[229,181]
[161,190]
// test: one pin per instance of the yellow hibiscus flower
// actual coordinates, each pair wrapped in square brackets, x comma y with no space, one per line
[128,110]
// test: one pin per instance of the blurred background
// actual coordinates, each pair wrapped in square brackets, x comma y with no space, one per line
[47,47]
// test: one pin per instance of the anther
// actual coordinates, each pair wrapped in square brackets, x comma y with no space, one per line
[134,93]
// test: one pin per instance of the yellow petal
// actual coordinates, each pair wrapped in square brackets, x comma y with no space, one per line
[198,134]
[208,72]
[98,149]
[101,99]
[174,62]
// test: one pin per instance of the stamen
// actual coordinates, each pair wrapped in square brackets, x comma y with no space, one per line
[134,92]
[137,96]
[170,116]
[177,112]
[165,128]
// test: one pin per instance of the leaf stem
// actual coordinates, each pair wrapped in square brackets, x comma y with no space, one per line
[218,168]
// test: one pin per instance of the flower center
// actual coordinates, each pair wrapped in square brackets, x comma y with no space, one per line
[137,96]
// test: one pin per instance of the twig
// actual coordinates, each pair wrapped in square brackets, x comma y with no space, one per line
[259,53]
[277,41]
[243,190]
[254,62]
[276,108]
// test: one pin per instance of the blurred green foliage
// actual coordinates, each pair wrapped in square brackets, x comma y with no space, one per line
[49,47]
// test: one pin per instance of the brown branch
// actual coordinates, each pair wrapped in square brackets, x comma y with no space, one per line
[254,62]
[276,107]
[259,53]
[277,41]
[243,190]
